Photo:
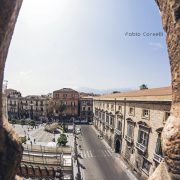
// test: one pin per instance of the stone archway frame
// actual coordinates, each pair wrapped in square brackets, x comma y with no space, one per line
[170,13]
[117,138]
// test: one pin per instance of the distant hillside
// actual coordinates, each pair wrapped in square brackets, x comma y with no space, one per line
[102,91]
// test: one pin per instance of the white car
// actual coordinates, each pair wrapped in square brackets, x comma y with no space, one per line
[78,131]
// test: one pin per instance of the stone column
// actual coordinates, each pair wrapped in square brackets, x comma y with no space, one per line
[10,147]
[170,13]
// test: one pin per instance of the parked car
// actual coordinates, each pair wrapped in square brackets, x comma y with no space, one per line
[78,131]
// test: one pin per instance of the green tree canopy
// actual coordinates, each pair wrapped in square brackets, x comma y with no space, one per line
[62,140]
[61,106]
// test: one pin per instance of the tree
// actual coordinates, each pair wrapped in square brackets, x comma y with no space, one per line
[32,123]
[23,122]
[51,107]
[143,86]
[61,107]
[23,139]
[62,140]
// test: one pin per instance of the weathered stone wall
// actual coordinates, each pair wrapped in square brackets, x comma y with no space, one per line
[170,13]
[10,147]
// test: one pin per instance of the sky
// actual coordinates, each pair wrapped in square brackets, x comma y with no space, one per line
[87,43]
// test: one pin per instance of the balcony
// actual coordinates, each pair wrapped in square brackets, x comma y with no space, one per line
[107,124]
[111,126]
[158,158]
[141,147]
[117,131]
[129,139]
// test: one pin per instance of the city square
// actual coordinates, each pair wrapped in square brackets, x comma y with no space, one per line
[90,90]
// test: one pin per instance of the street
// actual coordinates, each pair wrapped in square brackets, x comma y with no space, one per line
[97,160]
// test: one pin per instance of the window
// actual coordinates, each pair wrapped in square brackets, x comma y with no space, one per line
[119,108]
[64,95]
[131,111]
[96,112]
[112,107]
[84,108]
[107,118]
[119,125]
[145,113]
[146,165]
[103,116]
[89,108]
[166,115]
[143,137]
[111,120]
[130,129]
[158,149]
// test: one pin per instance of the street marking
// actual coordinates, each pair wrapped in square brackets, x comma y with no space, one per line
[103,153]
[106,152]
[83,154]
[90,153]
[109,152]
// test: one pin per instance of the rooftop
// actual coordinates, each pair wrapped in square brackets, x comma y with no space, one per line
[65,90]
[155,94]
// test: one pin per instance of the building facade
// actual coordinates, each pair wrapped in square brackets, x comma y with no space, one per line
[86,108]
[4,101]
[32,107]
[70,99]
[132,123]
[13,97]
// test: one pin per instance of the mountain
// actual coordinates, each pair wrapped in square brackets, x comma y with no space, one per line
[102,91]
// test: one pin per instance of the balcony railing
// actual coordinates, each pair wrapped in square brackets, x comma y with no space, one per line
[111,126]
[117,131]
[141,147]
[158,158]
[107,124]
[129,139]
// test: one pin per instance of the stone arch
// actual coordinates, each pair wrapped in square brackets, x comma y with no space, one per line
[37,171]
[170,13]
[117,143]
[130,120]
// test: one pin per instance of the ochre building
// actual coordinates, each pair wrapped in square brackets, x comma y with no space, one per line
[70,98]
[132,123]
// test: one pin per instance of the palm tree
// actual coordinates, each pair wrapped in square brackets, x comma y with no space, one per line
[143,86]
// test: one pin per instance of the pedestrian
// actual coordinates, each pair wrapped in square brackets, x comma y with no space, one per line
[31,143]
[34,141]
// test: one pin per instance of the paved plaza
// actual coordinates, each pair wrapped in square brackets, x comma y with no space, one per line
[40,136]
